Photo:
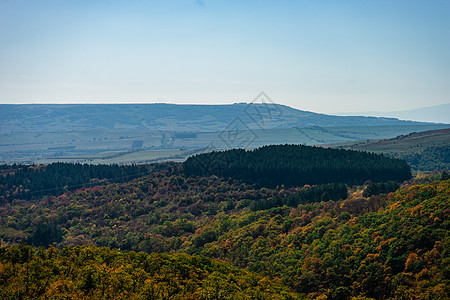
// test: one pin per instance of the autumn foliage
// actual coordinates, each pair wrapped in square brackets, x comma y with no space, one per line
[87,272]
[171,235]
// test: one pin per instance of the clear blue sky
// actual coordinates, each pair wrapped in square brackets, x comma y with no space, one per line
[323,56]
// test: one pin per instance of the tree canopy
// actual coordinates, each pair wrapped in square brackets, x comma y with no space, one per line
[297,165]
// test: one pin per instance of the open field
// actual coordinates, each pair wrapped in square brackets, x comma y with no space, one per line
[125,157]
[140,146]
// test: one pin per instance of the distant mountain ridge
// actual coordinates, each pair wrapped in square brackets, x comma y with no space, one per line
[172,117]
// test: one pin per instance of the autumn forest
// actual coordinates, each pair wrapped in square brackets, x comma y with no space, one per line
[277,222]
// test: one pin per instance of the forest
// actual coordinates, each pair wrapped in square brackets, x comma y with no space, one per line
[170,234]
[87,272]
[26,182]
[297,165]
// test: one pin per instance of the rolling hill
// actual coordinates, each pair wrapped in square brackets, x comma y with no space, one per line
[145,133]
[425,151]
[160,116]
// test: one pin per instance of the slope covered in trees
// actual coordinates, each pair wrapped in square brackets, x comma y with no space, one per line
[158,212]
[296,165]
[100,273]
[395,246]
[389,245]
[26,182]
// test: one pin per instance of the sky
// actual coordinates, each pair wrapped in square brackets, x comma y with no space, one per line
[322,56]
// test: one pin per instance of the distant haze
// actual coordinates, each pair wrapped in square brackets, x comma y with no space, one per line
[321,56]
[437,114]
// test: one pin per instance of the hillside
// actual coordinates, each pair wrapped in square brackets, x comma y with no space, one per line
[425,151]
[100,273]
[381,246]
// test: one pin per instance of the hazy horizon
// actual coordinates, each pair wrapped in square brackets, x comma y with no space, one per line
[320,56]
[341,113]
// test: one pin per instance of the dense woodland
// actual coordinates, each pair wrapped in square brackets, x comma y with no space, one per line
[297,165]
[170,234]
[430,159]
[375,188]
[87,272]
[26,182]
